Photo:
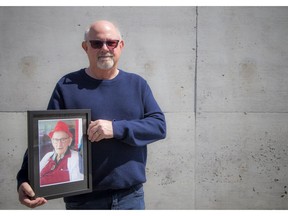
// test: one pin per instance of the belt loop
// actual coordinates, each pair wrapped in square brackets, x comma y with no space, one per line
[114,205]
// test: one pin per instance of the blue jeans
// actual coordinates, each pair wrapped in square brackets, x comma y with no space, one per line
[124,199]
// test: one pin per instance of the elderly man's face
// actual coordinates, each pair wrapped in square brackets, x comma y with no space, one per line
[105,57]
[61,141]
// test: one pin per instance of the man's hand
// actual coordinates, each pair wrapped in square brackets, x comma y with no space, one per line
[26,196]
[100,129]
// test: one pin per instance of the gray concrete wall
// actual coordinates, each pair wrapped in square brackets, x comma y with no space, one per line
[219,73]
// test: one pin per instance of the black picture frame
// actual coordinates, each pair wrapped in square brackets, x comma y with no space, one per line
[42,125]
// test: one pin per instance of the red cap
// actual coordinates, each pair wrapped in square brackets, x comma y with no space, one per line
[61,126]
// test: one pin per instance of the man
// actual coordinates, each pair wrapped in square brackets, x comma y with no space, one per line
[63,164]
[125,117]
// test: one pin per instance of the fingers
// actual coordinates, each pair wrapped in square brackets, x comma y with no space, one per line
[96,137]
[26,189]
[96,132]
[26,196]
[34,203]
[91,125]
[92,131]
[100,129]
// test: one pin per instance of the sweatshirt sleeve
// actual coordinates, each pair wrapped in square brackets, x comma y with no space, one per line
[56,100]
[140,132]
[22,175]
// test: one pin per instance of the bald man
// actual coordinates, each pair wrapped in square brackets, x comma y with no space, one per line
[125,119]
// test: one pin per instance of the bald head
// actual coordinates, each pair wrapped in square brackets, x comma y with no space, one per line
[100,27]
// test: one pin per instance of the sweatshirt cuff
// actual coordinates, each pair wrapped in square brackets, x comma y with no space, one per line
[118,129]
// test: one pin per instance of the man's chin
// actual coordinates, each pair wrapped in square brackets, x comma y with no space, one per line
[105,65]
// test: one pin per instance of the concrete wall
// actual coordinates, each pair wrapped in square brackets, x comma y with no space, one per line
[219,73]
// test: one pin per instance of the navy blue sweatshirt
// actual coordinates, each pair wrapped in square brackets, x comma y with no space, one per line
[137,119]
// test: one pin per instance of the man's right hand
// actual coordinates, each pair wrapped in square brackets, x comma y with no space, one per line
[26,196]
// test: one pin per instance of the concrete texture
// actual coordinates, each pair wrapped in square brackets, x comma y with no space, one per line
[219,73]
[241,141]
[241,161]
[243,59]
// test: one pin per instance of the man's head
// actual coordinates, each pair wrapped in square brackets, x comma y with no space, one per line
[103,45]
[61,138]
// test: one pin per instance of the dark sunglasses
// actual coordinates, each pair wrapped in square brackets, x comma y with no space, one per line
[98,44]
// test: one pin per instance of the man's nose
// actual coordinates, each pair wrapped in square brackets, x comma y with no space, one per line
[105,47]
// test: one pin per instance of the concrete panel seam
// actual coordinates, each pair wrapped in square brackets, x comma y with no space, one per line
[196,61]
[195,97]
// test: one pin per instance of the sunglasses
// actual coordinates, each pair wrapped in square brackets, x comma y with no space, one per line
[98,44]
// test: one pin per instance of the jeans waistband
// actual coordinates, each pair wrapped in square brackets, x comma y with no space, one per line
[125,192]
[103,193]
[120,192]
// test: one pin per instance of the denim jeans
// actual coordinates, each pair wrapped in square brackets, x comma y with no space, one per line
[124,199]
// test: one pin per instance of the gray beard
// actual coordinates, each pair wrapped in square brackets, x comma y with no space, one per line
[106,65]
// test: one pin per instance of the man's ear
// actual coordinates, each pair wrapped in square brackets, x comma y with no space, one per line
[84,46]
[121,44]
[70,141]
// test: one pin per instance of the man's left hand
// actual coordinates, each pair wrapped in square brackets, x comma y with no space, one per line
[99,130]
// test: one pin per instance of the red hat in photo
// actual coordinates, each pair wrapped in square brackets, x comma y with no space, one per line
[61,126]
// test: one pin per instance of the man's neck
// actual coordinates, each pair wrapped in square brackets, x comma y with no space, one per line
[102,74]
[57,157]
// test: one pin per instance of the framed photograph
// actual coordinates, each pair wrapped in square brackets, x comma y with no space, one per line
[59,152]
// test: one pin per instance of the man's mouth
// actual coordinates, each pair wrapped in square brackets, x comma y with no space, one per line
[105,57]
